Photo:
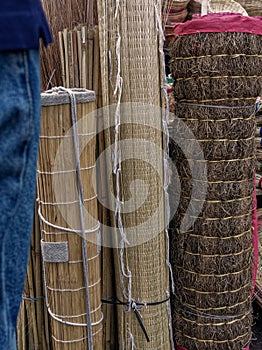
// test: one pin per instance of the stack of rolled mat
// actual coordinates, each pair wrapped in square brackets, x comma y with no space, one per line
[173,12]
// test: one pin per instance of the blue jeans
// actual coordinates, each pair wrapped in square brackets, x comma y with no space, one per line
[19,137]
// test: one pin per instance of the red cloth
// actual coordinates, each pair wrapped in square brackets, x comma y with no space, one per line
[220,23]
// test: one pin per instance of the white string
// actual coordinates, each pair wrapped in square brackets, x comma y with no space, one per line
[64,171]
[131,341]
[75,340]
[125,272]
[67,203]
[91,324]
[165,121]
[73,290]
[65,136]
[66,229]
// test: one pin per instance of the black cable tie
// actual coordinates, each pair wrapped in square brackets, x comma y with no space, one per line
[134,306]
[139,319]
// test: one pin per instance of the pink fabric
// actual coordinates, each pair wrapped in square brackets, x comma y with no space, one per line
[220,23]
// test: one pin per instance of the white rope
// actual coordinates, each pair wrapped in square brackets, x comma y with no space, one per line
[67,203]
[64,171]
[125,272]
[75,340]
[66,229]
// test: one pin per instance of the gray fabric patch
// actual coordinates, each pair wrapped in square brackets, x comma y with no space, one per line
[55,252]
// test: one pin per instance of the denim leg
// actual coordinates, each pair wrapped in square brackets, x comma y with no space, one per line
[19,138]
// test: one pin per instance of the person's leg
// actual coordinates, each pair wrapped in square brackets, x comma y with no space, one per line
[19,137]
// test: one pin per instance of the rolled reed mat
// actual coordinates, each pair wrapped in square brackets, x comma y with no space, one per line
[69,218]
[216,82]
[132,70]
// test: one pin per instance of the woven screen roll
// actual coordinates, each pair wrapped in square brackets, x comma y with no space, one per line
[216,82]
[131,78]
[69,219]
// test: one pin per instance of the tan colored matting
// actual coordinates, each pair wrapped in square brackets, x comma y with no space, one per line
[131,73]
[69,219]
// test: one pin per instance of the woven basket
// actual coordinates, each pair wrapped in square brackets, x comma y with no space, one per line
[177,5]
[253,7]
[177,17]
[226,6]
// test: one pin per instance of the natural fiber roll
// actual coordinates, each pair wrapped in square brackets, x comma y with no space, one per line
[216,82]
[131,79]
[70,238]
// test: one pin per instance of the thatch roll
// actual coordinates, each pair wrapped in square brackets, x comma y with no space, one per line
[216,82]
[66,189]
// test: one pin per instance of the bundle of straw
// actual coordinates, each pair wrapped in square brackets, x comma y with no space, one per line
[33,325]
[216,81]
[69,220]
[130,66]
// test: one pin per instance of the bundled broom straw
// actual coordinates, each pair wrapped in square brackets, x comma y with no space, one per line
[69,220]
[216,81]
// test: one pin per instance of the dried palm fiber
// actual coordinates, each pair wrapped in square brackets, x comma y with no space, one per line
[32,325]
[69,218]
[216,81]
[130,65]
[74,12]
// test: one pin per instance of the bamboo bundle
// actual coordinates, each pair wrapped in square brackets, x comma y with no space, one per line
[130,66]
[74,12]
[32,325]
[70,230]
[216,82]
[79,53]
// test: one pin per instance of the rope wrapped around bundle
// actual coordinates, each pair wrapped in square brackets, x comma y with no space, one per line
[215,66]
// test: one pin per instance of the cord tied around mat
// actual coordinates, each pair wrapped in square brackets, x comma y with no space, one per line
[136,306]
